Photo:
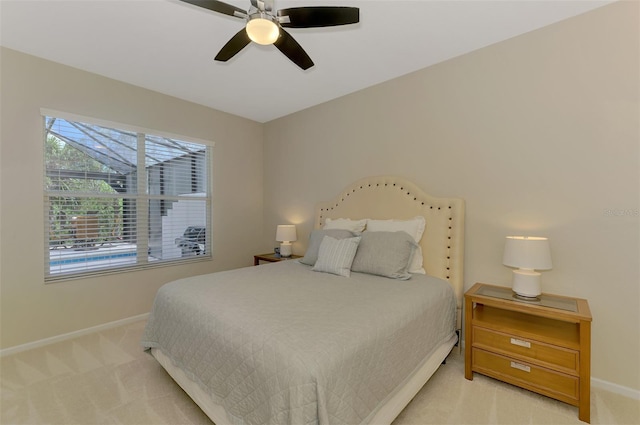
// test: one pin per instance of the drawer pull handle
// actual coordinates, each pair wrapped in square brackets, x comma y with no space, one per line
[520,366]
[521,343]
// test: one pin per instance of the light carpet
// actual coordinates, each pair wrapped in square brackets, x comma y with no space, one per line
[106,378]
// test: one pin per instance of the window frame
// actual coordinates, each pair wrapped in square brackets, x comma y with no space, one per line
[141,196]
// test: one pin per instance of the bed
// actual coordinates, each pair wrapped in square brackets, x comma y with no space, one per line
[287,343]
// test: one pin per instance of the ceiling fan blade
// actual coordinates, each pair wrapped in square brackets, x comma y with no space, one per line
[318,16]
[233,46]
[219,6]
[291,49]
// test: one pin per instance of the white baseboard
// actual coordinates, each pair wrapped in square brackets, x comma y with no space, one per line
[70,335]
[615,388]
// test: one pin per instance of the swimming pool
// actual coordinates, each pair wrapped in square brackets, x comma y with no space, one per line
[91,258]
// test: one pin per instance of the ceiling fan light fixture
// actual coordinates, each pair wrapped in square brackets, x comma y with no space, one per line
[266,25]
[262,30]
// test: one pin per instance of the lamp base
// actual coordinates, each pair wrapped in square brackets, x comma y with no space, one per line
[521,298]
[526,283]
[285,249]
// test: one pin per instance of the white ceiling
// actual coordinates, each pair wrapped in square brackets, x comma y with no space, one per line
[168,46]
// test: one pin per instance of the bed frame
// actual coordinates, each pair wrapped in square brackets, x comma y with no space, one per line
[384,197]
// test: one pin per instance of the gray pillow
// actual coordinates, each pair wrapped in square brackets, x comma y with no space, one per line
[385,254]
[336,255]
[311,256]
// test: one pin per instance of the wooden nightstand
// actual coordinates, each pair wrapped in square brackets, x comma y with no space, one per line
[271,258]
[543,346]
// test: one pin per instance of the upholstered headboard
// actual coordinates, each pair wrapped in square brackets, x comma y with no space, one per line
[386,197]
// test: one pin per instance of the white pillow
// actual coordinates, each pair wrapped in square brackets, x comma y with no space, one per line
[336,255]
[414,227]
[416,262]
[346,224]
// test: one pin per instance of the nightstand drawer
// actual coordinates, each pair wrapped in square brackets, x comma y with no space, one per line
[558,385]
[529,350]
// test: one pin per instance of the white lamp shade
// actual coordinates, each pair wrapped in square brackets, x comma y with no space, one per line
[286,233]
[527,252]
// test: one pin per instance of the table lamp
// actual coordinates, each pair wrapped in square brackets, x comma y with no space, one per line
[528,254]
[285,234]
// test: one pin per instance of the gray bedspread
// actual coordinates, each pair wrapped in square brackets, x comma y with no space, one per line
[281,344]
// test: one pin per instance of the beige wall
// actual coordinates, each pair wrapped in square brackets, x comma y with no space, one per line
[540,135]
[31,310]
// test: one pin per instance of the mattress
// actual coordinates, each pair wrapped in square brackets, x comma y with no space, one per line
[282,344]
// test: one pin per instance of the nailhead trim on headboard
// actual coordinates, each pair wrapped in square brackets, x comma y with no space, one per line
[447,228]
[401,187]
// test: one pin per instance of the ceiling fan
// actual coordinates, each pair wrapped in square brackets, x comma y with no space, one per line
[266,26]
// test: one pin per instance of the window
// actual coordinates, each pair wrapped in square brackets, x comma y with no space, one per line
[119,198]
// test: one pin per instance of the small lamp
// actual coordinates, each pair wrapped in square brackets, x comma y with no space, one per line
[529,254]
[286,233]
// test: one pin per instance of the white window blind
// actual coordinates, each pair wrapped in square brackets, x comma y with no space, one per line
[117,199]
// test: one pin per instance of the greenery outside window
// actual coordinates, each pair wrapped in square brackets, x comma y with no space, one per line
[118,198]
